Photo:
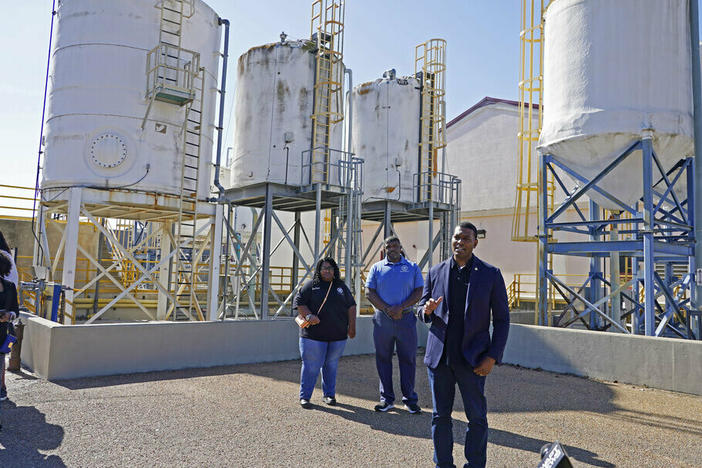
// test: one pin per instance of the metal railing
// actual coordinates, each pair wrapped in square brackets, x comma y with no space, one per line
[443,187]
[523,289]
[17,201]
[342,169]
[171,69]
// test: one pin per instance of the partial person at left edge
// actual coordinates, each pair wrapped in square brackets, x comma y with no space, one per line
[327,316]
[9,309]
[5,251]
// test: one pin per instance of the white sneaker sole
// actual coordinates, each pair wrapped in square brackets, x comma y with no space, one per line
[387,408]
[412,412]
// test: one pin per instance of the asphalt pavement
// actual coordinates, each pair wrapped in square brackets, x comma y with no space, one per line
[248,415]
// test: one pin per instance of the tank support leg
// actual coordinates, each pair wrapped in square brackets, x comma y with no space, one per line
[70,249]
[648,254]
[265,270]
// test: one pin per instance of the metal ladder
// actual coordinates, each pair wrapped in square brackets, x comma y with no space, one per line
[172,14]
[187,260]
[430,69]
[327,30]
[183,82]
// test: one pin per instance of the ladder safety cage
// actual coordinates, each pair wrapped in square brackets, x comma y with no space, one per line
[530,120]
[430,70]
[171,74]
[327,32]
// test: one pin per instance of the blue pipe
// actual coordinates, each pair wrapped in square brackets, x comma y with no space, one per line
[222,93]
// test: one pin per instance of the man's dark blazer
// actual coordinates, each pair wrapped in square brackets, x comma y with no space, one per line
[486,293]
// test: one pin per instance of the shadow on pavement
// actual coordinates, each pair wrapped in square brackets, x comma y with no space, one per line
[24,433]
[144,377]
[529,444]
[395,421]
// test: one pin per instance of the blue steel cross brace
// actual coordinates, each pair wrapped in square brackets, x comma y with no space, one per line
[662,234]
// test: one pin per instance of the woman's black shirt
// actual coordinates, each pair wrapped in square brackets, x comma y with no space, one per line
[334,317]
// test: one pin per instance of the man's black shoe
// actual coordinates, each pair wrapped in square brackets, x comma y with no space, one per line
[330,400]
[384,406]
[305,403]
[413,408]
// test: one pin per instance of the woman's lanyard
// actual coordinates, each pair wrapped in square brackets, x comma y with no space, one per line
[325,298]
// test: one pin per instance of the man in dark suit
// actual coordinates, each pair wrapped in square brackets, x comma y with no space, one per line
[461,296]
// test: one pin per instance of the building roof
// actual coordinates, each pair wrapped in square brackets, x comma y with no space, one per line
[486,101]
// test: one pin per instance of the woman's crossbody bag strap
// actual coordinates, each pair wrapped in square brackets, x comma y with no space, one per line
[325,298]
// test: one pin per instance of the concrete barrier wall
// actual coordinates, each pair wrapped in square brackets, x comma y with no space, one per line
[68,351]
[665,363]
[64,351]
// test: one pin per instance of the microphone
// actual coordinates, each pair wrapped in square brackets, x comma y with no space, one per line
[554,456]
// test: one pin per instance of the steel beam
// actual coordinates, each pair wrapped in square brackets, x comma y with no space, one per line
[266,254]
[647,233]
[697,113]
[70,249]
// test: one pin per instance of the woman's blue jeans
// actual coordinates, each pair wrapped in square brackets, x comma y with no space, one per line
[318,355]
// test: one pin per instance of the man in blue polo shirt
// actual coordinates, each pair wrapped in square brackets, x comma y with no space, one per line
[394,285]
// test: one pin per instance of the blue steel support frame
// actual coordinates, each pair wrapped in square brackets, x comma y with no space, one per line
[649,291]
[595,264]
[663,233]
[543,244]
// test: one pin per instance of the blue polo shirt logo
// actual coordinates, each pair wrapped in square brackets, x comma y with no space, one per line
[404,268]
[340,291]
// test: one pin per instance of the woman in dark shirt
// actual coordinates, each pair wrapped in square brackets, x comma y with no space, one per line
[328,307]
[8,312]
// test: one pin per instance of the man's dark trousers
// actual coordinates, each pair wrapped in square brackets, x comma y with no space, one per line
[443,379]
[388,334]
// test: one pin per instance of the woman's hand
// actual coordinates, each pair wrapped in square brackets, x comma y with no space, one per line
[312,319]
[352,331]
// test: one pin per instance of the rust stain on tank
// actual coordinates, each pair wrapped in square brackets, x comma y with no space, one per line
[303,99]
[365,88]
[282,91]
[241,67]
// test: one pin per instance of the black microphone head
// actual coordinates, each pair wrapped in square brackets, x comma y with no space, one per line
[544,450]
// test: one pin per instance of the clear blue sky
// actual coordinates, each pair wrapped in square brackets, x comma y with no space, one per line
[482,54]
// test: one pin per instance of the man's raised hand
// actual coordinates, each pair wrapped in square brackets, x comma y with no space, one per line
[432,304]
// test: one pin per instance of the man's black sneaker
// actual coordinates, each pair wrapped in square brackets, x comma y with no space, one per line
[305,403]
[330,400]
[3,393]
[413,408]
[384,406]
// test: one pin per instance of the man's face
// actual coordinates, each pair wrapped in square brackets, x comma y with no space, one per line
[393,251]
[463,243]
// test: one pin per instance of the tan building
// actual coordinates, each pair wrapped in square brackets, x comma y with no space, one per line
[483,152]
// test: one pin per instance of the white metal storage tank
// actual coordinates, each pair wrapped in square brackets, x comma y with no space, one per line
[386,135]
[98,98]
[273,108]
[612,69]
